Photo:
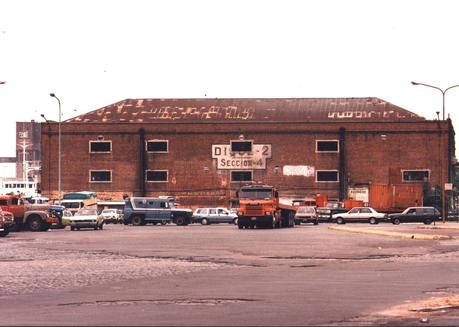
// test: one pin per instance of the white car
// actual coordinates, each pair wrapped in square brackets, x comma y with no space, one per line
[360,214]
[86,218]
[111,216]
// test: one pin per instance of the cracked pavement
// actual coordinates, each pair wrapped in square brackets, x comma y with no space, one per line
[219,275]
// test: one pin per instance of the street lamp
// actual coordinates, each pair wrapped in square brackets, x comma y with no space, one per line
[58,151]
[442,92]
[442,186]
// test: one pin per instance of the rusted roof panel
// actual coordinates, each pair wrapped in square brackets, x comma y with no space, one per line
[276,109]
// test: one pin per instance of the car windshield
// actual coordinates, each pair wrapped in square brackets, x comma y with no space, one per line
[256,194]
[86,212]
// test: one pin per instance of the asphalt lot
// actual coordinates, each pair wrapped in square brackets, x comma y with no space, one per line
[219,275]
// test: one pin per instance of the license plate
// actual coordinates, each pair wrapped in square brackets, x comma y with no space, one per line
[253,218]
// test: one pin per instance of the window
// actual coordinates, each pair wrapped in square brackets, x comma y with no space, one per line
[241,146]
[327,146]
[327,176]
[419,175]
[241,176]
[212,211]
[100,176]
[354,210]
[100,146]
[158,146]
[157,176]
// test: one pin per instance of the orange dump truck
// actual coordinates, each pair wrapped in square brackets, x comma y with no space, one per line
[259,206]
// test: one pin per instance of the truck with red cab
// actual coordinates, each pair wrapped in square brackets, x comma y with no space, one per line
[6,222]
[260,206]
[35,217]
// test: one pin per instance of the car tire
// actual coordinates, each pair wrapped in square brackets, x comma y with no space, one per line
[204,221]
[163,222]
[427,221]
[340,221]
[137,220]
[72,228]
[316,222]
[373,221]
[235,221]
[101,226]
[396,221]
[297,222]
[4,233]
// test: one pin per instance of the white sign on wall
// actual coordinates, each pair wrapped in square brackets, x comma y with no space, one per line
[307,171]
[226,159]
[358,193]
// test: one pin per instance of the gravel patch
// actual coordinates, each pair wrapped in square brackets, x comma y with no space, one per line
[28,270]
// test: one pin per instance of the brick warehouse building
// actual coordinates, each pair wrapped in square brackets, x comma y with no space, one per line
[202,150]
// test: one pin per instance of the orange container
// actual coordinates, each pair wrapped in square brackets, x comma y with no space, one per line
[321,200]
[350,203]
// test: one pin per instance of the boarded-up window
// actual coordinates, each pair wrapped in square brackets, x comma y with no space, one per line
[326,176]
[241,176]
[100,176]
[158,146]
[327,146]
[100,146]
[241,146]
[158,176]
[415,175]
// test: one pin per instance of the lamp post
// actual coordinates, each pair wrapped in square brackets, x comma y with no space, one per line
[58,151]
[439,89]
[442,186]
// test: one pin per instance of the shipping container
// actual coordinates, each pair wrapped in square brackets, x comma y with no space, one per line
[395,197]
[351,203]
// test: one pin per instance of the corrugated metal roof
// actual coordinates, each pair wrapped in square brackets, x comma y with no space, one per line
[276,109]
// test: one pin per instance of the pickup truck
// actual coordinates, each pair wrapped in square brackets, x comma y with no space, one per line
[142,210]
[36,217]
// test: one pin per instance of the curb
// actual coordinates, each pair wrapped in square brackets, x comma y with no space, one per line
[391,234]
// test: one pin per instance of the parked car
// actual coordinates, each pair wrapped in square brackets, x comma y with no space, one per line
[324,214]
[111,216]
[416,214]
[66,215]
[86,218]
[207,216]
[306,214]
[360,214]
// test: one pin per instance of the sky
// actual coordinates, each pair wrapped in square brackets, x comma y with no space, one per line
[95,53]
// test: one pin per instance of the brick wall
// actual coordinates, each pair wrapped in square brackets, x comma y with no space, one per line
[374,152]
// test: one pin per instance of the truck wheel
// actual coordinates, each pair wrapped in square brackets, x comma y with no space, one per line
[4,233]
[373,221]
[137,220]
[180,221]
[35,224]
[396,221]
[339,220]
[204,221]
